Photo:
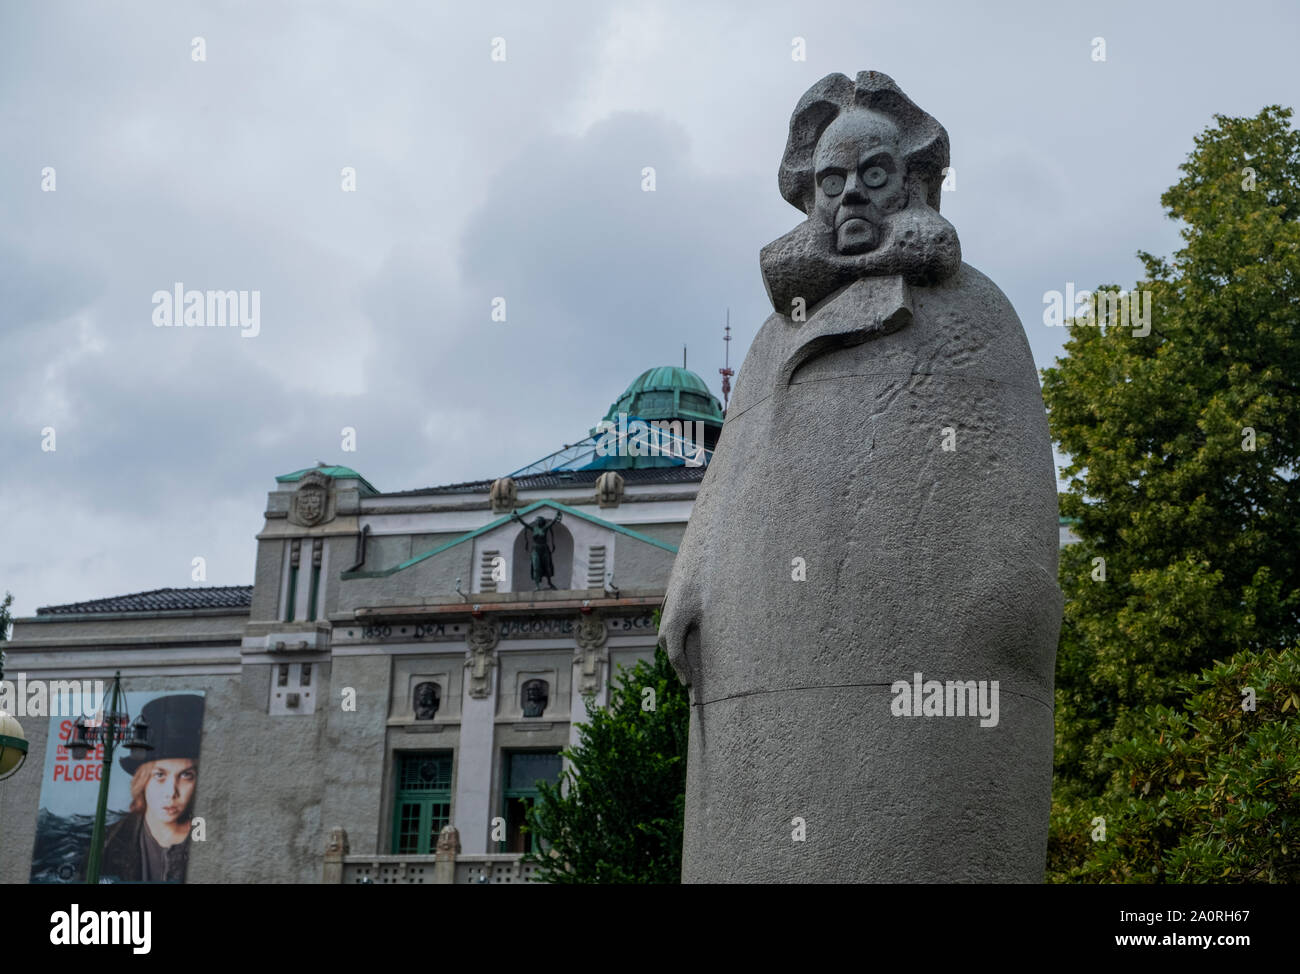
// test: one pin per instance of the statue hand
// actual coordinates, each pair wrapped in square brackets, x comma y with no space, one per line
[679,627]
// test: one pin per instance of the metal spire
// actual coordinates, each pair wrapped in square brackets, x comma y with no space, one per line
[726,370]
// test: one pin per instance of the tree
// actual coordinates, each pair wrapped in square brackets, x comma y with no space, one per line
[1185,588]
[5,621]
[616,815]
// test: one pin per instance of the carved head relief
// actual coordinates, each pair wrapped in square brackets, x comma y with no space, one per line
[428,696]
[534,696]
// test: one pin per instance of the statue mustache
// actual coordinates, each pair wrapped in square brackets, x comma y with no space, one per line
[859,211]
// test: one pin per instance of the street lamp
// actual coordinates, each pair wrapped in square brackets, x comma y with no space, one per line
[13,745]
[110,731]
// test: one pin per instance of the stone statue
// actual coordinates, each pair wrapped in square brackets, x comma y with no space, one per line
[865,602]
[541,546]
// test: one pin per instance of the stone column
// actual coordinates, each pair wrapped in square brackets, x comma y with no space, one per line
[444,862]
[590,662]
[474,756]
[335,849]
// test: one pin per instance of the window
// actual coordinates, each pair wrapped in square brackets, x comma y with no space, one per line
[521,772]
[422,805]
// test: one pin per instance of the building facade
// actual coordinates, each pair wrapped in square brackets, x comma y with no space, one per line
[393,669]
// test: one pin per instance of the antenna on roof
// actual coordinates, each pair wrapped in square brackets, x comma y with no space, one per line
[726,370]
[683,356]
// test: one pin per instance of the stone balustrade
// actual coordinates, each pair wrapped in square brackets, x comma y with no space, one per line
[447,865]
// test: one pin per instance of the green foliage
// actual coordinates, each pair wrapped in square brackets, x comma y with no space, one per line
[5,620]
[1212,792]
[1201,539]
[616,815]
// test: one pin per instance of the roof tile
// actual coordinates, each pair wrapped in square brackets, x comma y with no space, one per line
[161,600]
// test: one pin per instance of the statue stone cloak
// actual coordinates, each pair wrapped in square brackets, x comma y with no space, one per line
[879,518]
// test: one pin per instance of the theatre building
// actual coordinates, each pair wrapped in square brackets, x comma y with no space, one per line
[391,670]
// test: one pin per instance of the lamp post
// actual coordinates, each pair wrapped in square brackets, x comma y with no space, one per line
[109,731]
[13,744]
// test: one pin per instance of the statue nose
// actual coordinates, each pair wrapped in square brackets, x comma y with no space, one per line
[854,192]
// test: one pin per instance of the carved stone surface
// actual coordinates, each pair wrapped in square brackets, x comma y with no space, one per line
[591,632]
[337,845]
[482,639]
[313,501]
[590,637]
[882,503]
[448,842]
[504,495]
[609,489]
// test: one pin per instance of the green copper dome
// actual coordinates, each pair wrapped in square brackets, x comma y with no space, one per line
[668,392]
[327,470]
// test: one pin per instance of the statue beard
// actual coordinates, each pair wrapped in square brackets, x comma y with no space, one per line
[857,234]
[860,228]
[812,261]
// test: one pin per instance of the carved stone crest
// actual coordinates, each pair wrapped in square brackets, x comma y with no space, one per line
[312,502]
[482,640]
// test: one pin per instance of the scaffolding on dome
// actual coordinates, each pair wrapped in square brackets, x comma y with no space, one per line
[585,454]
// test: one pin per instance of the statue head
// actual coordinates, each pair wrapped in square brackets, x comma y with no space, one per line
[859,176]
[534,697]
[866,165]
[427,699]
[858,151]
[539,522]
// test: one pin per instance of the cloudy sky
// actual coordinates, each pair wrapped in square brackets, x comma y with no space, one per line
[478,178]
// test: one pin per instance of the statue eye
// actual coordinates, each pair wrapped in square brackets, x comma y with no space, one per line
[832,184]
[875,177]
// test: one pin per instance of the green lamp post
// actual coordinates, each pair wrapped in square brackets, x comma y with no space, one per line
[109,732]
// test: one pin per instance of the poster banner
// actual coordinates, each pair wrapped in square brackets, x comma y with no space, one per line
[151,799]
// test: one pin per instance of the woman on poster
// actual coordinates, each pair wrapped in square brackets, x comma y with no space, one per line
[151,844]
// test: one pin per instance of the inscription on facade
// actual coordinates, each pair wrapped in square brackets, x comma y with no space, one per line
[516,628]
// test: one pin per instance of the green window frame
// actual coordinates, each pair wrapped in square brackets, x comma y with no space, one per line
[421,801]
[520,772]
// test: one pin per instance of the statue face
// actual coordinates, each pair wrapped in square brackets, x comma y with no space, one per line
[859,175]
[535,698]
[426,701]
